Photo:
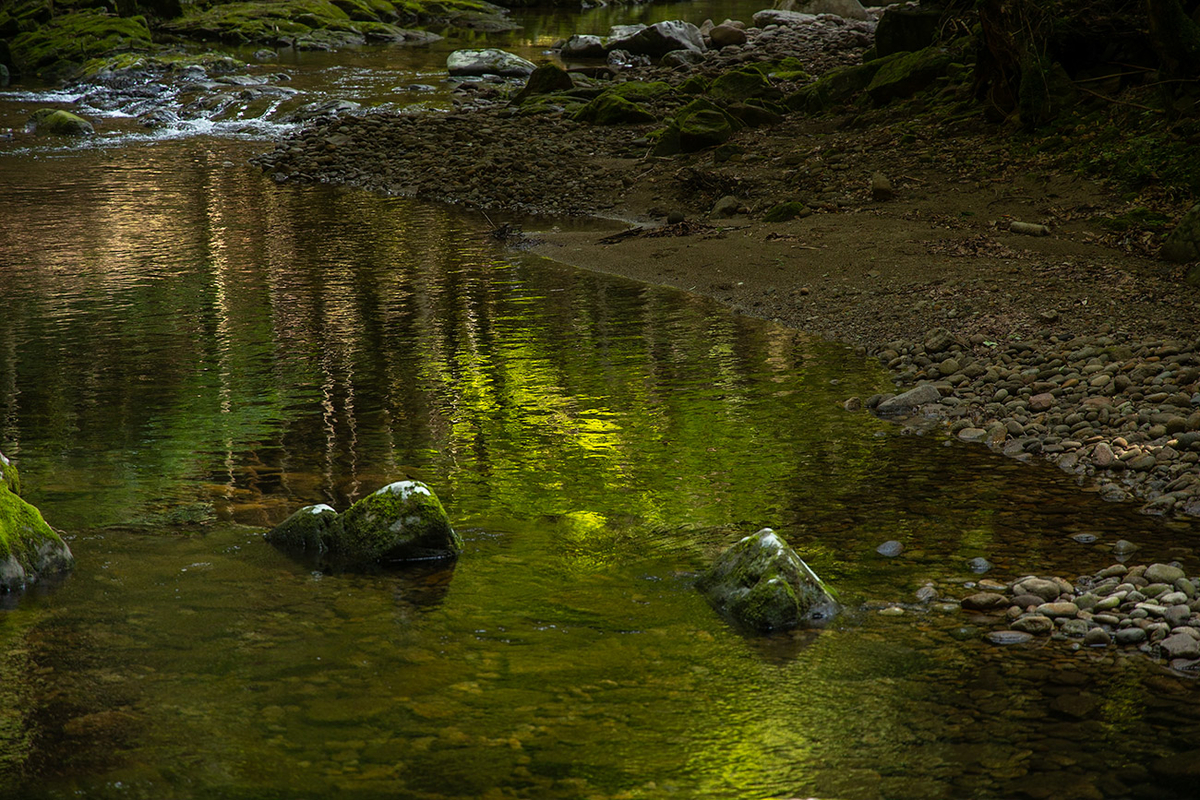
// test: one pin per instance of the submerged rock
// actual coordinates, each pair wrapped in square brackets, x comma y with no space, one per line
[29,548]
[763,585]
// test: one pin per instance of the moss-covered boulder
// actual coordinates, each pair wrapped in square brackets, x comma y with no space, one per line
[906,28]
[741,84]
[1183,243]
[787,211]
[835,87]
[612,109]
[756,114]
[309,530]
[30,550]
[546,79]
[60,123]
[905,74]
[403,521]
[68,40]
[762,585]
[640,91]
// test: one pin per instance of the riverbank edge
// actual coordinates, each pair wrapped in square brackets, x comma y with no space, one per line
[1005,395]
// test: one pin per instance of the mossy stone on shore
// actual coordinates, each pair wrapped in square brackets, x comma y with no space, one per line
[546,79]
[611,109]
[835,87]
[740,84]
[1183,243]
[71,39]
[905,74]
[640,91]
[783,212]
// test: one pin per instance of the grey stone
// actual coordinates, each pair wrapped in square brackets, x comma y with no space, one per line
[984,601]
[846,9]
[1128,636]
[1163,573]
[659,39]
[488,61]
[906,402]
[1035,623]
[890,549]
[1008,637]
[1180,645]
[583,45]
[790,19]
[1097,637]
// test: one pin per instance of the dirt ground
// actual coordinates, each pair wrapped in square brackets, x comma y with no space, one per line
[939,253]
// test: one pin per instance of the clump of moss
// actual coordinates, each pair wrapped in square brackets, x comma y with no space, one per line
[783,212]
[69,40]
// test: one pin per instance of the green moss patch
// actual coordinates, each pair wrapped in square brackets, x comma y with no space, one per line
[783,212]
[640,91]
[72,39]
[611,109]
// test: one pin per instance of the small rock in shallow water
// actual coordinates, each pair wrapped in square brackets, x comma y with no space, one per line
[890,549]
[1097,637]
[1008,637]
[979,565]
[1085,538]
[1124,547]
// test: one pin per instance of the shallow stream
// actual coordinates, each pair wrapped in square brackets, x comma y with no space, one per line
[189,352]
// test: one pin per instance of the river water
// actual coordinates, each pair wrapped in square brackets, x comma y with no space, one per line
[189,352]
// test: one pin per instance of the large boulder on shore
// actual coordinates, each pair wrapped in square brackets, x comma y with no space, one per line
[659,39]
[403,521]
[488,61]
[29,548]
[763,585]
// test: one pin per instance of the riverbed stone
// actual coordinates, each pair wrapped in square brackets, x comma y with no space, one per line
[1045,589]
[1180,645]
[1034,623]
[403,521]
[1057,610]
[1163,573]
[761,584]
[1128,636]
[583,45]
[984,601]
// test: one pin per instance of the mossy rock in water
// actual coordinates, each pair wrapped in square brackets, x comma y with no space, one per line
[60,123]
[609,109]
[741,84]
[68,40]
[762,585]
[308,530]
[402,521]
[10,478]
[546,79]
[29,548]
[783,212]
[905,74]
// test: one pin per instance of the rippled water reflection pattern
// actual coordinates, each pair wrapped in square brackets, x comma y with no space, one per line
[188,350]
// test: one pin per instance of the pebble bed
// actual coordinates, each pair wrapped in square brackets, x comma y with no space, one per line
[1154,608]
[1121,412]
